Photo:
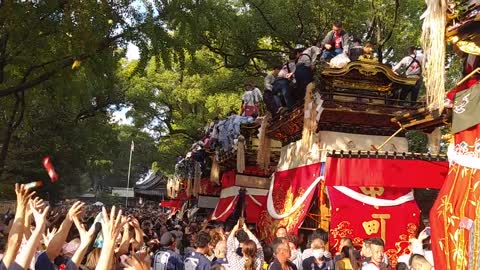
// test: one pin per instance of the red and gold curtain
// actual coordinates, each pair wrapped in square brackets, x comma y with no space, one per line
[289,189]
[353,216]
[455,216]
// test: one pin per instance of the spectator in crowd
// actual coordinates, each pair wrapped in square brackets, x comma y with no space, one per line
[282,256]
[167,258]
[319,259]
[295,252]
[335,42]
[348,259]
[220,254]
[281,232]
[377,249]
[238,258]
[197,260]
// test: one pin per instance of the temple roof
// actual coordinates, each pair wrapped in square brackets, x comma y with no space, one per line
[152,181]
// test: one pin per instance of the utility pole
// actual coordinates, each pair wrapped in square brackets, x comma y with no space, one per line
[129,169]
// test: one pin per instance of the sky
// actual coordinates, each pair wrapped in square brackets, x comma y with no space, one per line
[120,116]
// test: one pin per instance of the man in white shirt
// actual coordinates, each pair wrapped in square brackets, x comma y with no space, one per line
[377,248]
[268,96]
[412,63]
[251,100]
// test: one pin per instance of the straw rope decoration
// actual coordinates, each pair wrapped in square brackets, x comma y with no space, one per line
[433,43]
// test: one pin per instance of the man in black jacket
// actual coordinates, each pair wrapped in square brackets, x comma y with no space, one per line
[167,258]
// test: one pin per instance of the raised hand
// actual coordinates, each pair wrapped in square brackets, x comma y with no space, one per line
[76,209]
[136,262]
[23,195]
[15,235]
[37,203]
[47,237]
[86,237]
[112,224]
[56,243]
[39,215]
[110,228]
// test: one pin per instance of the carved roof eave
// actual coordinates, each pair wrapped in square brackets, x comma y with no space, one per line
[368,69]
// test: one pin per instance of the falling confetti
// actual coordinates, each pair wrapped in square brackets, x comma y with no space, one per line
[76,64]
[47,164]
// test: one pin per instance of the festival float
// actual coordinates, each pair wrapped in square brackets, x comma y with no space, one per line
[344,164]
[340,161]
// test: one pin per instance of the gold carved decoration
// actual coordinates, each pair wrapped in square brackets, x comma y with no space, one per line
[368,70]
[373,192]
[371,227]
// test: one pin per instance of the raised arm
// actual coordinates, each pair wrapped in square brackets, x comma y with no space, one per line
[138,232]
[110,228]
[86,237]
[25,257]
[125,243]
[15,236]
[58,240]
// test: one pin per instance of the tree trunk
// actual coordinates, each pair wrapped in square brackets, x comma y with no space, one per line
[12,124]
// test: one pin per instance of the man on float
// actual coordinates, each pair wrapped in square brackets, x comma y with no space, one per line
[413,69]
[335,42]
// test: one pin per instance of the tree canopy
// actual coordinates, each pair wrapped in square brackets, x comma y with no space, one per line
[63,73]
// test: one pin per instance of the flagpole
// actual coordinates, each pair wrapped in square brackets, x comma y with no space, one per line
[128,177]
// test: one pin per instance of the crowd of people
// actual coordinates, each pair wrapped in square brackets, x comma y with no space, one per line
[285,85]
[84,237]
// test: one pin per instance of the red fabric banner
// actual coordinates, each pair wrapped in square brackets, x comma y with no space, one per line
[173,204]
[288,187]
[357,220]
[377,172]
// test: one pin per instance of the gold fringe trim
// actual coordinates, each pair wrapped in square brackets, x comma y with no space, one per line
[241,154]
[433,43]
[309,121]
[197,179]
[215,171]
[263,151]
